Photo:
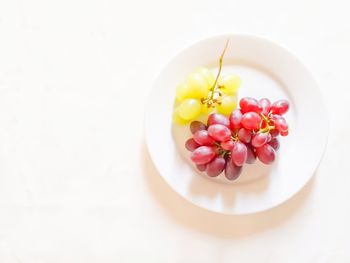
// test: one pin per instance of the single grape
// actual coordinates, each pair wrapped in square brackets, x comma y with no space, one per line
[198,86]
[177,119]
[275,117]
[248,104]
[244,135]
[235,119]
[215,167]
[228,145]
[284,133]
[259,139]
[274,143]
[281,124]
[202,138]
[182,92]
[189,109]
[251,120]
[207,75]
[219,132]
[191,145]
[216,118]
[203,155]
[206,110]
[265,105]
[274,133]
[266,153]
[239,153]
[269,137]
[197,126]
[232,171]
[280,107]
[227,105]
[251,156]
[201,167]
[230,84]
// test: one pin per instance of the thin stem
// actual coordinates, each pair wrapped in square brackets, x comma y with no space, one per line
[266,120]
[219,72]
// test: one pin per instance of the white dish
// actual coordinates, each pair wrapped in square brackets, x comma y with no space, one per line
[266,70]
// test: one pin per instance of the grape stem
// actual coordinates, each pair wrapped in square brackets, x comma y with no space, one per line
[210,101]
[219,71]
[268,126]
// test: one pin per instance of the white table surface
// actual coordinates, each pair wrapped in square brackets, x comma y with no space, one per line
[76,182]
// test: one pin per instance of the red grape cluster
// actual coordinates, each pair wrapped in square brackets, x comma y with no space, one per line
[227,143]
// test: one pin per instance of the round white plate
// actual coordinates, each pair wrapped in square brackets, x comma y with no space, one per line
[266,70]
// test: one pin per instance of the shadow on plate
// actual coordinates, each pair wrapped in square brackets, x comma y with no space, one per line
[226,191]
[226,226]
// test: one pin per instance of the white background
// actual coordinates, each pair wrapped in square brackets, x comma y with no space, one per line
[76,182]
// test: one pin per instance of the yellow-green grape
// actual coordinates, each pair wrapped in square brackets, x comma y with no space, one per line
[189,109]
[207,74]
[206,110]
[228,104]
[177,119]
[182,92]
[230,84]
[197,85]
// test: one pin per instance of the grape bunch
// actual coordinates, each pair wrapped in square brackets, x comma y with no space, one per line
[249,133]
[201,94]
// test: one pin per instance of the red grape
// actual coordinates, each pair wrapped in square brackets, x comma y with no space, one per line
[216,118]
[191,145]
[269,137]
[203,155]
[227,145]
[260,139]
[201,167]
[275,117]
[281,124]
[197,126]
[251,121]
[219,132]
[215,167]
[274,143]
[239,153]
[251,157]
[232,171]
[284,133]
[274,133]
[244,135]
[235,119]
[248,104]
[202,138]
[265,105]
[280,107]
[266,154]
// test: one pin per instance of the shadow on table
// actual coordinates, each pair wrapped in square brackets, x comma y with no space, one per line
[226,226]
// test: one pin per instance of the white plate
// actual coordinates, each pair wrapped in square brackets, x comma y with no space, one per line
[266,70]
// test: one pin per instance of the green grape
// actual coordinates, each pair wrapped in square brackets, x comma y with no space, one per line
[228,104]
[206,110]
[207,74]
[198,87]
[182,92]
[177,119]
[189,109]
[230,84]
